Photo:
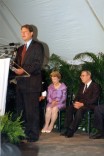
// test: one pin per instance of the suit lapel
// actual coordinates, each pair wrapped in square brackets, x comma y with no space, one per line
[89,87]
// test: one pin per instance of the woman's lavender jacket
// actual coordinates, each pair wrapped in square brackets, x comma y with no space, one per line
[59,94]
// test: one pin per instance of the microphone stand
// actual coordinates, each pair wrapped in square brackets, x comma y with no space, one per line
[1,56]
[13,55]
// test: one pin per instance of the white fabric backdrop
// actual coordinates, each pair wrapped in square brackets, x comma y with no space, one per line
[66,26]
[4,69]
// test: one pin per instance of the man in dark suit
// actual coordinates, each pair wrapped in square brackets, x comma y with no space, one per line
[42,99]
[86,98]
[30,59]
[98,122]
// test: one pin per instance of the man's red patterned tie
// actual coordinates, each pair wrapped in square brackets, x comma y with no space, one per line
[23,53]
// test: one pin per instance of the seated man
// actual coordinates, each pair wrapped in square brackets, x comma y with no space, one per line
[86,98]
[99,122]
[42,105]
[42,100]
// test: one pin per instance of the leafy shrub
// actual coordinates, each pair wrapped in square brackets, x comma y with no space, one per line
[11,130]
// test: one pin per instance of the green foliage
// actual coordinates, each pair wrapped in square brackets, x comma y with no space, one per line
[11,129]
[69,72]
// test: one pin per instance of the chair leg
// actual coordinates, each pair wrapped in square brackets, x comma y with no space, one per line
[89,122]
[59,121]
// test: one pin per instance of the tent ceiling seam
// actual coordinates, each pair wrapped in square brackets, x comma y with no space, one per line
[93,11]
[11,12]
[11,29]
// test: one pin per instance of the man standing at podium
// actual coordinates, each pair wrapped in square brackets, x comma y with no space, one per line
[30,59]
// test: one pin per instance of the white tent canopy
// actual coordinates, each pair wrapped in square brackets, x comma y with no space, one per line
[67,27]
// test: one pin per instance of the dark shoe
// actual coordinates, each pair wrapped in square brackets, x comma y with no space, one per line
[32,140]
[70,134]
[97,136]
[24,141]
[64,133]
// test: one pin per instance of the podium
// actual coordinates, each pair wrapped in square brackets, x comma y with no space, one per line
[4,72]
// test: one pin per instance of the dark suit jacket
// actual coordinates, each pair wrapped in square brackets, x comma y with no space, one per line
[32,63]
[90,97]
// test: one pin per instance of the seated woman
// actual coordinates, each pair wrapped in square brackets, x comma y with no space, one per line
[56,98]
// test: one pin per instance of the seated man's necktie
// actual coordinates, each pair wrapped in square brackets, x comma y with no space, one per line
[85,88]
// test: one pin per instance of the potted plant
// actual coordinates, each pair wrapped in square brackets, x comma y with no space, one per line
[11,129]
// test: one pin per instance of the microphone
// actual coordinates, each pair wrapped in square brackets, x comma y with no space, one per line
[6,52]
[14,44]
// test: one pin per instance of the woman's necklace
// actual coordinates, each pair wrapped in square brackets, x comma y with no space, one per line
[57,85]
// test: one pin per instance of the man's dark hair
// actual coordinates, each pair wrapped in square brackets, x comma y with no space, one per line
[29,27]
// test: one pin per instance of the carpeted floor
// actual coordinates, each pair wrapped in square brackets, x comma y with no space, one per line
[55,145]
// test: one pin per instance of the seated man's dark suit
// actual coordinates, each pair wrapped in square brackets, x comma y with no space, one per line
[89,99]
[98,122]
[99,118]
[42,102]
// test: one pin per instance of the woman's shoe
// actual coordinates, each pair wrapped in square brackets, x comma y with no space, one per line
[48,131]
[43,131]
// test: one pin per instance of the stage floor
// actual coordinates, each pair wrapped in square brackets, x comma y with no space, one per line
[55,145]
